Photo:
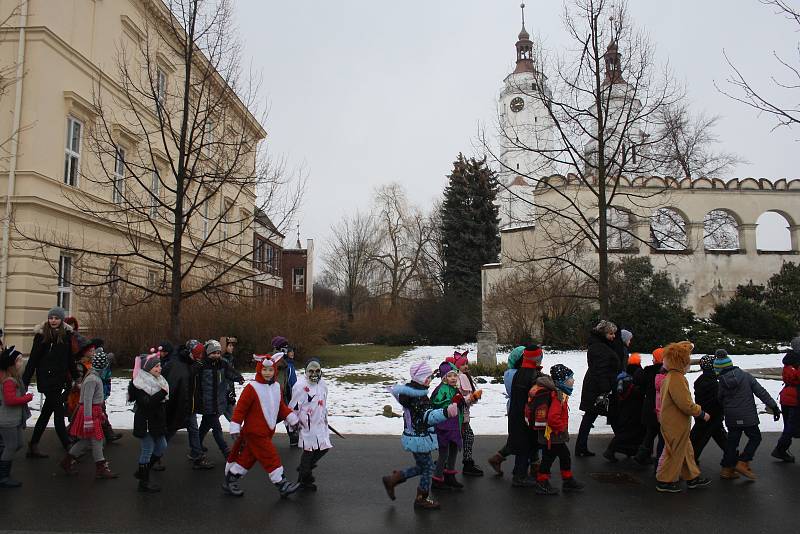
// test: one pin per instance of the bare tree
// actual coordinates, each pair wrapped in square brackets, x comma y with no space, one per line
[177,168]
[349,257]
[431,268]
[602,102]
[780,101]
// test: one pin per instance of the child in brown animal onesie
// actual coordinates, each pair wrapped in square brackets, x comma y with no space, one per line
[677,409]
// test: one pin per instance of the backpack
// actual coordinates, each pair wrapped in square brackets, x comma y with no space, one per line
[538,405]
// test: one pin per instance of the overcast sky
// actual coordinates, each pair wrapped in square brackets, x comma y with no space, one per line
[366,92]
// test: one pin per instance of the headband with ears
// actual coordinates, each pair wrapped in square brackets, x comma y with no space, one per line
[267,360]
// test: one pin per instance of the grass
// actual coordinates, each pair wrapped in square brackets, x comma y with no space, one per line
[365,378]
[338,355]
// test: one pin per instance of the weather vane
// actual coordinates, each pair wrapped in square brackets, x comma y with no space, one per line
[522,6]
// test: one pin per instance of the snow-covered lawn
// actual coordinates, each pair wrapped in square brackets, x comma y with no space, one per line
[356,408]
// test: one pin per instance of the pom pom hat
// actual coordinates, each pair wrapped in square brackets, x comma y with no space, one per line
[532,357]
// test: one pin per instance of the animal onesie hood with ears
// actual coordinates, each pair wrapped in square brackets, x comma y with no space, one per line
[677,410]
[259,409]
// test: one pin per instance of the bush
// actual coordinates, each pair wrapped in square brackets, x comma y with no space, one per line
[569,331]
[752,319]
[495,371]
[708,337]
[783,292]
[446,320]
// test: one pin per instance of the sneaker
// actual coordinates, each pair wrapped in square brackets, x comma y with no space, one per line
[784,456]
[231,485]
[286,488]
[523,482]
[544,488]
[698,482]
[668,487]
[202,464]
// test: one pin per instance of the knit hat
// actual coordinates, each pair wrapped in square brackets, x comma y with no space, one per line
[279,342]
[196,349]
[626,336]
[446,367]
[721,361]
[796,344]
[532,357]
[212,345]
[458,359]
[145,362]
[165,346]
[515,356]
[420,371]
[57,311]
[560,373]
[8,357]
[707,362]
[635,359]
[99,360]
[658,355]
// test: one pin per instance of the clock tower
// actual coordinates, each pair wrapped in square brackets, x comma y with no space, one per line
[525,131]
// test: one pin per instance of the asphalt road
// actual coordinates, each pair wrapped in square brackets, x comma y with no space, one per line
[351,498]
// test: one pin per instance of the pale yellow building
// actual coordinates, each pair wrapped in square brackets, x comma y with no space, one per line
[67,55]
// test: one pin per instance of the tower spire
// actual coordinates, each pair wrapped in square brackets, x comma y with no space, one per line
[522,7]
[524,47]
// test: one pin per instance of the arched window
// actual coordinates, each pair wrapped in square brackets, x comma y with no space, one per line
[720,231]
[772,232]
[619,229]
[668,230]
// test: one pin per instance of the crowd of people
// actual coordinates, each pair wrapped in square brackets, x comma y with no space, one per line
[170,388]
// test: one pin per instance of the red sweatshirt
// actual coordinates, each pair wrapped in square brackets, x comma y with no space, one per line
[791,379]
[10,397]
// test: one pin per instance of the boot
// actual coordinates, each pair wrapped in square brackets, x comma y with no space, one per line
[543,487]
[609,455]
[424,501]
[643,457]
[103,471]
[496,461]
[583,452]
[231,485]
[523,482]
[390,481]
[109,433]
[5,476]
[438,483]
[743,468]
[728,473]
[471,470]
[67,463]
[202,463]
[783,455]
[570,484]
[155,463]
[145,486]
[306,482]
[450,480]
[34,452]
[286,488]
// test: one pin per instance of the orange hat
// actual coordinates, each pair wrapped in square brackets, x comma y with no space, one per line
[658,355]
[635,359]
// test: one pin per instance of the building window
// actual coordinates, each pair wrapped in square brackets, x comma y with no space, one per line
[208,137]
[64,296]
[152,279]
[118,193]
[72,153]
[155,193]
[205,219]
[226,209]
[299,280]
[161,88]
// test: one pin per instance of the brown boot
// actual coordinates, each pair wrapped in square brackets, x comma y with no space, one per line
[496,461]
[389,482]
[67,463]
[728,473]
[743,468]
[34,452]
[103,471]
[424,502]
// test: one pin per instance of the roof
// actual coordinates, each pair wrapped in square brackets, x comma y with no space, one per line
[264,219]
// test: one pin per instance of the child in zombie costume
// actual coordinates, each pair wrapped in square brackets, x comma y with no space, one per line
[259,409]
[310,403]
[419,437]
[466,386]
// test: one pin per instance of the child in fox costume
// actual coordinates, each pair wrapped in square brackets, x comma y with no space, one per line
[259,409]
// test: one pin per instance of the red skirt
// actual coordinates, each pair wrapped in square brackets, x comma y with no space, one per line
[98,417]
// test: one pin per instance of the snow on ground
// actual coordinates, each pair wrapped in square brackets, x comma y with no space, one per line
[356,408]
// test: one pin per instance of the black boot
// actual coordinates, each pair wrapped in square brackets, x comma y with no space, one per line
[34,452]
[609,455]
[471,470]
[783,455]
[5,476]
[306,482]
[286,488]
[231,485]
[145,486]
[451,481]
[155,463]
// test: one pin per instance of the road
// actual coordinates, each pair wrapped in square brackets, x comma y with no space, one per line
[351,498]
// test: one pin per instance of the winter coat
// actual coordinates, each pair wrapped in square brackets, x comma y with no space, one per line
[736,390]
[625,410]
[53,363]
[150,414]
[181,376]
[229,384]
[508,379]
[791,379]
[520,436]
[557,430]
[105,376]
[706,388]
[604,365]
[212,393]
[14,411]
[448,431]
[646,380]
[419,417]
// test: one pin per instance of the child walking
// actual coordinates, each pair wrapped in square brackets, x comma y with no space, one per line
[310,403]
[14,413]
[514,361]
[466,386]
[213,393]
[736,390]
[150,391]
[790,402]
[419,438]
[706,389]
[87,425]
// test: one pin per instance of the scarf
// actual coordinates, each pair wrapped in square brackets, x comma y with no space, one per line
[150,384]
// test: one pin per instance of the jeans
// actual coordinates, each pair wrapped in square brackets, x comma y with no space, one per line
[582,441]
[789,414]
[211,422]
[423,468]
[703,431]
[195,448]
[734,436]
[152,446]
[549,455]
[53,405]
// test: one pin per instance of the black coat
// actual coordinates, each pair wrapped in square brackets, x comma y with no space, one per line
[181,376]
[646,380]
[52,362]
[706,388]
[211,396]
[604,365]
[625,414]
[150,413]
[521,438]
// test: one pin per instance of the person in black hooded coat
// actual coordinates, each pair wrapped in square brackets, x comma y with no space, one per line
[600,377]
[522,439]
[181,375]
[625,412]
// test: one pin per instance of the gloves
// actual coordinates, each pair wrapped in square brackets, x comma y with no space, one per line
[776,413]
[475,396]
[452,410]
[28,397]
[458,399]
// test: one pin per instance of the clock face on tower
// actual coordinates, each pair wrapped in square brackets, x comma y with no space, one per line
[517,104]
